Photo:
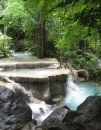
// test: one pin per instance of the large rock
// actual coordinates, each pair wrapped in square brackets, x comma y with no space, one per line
[87,117]
[80,75]
[91,113]
[14,112]
[86,104]
[54,120]
[69,120]
[62,119]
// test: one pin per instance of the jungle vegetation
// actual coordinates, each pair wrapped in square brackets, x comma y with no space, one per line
[69,30]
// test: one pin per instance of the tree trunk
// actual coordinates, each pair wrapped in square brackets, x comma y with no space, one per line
[41,38]
[5,32]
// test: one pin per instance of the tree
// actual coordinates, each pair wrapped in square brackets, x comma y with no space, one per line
[42,9]
[12,17]
[63,24]
[5,43]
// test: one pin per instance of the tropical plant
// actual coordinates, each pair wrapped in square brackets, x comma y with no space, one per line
[5,44]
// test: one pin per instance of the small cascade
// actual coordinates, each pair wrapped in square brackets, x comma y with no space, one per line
[25,60]
[40,110]
[70,83]
[46,94]
[44,83]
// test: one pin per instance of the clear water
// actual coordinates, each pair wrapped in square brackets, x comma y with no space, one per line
[21,54]
[34,72]
[25,57]
[19,57]
[75,97]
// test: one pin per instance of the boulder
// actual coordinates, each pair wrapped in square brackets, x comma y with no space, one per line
[69,120]
[29,126]
[54,120]
[62,119]
[80,75]
[71,115]
[86,104]
[91,113]
[87,117]
[14,112]
[83,74]
[57,99]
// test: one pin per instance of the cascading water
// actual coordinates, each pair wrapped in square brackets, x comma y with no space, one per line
[70,83]
[77,93]
[40,110]
[21,69]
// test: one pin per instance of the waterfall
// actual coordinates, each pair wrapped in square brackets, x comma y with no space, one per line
[40,110]
[70,83]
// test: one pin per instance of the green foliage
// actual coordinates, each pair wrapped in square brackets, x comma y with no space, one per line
[79,62]
[28,45]
[92,65]
[71,29]
[97,75]
[5,44]
[15,15]
[91,62]
[97,90]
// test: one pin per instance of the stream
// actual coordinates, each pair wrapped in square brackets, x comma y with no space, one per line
[76,93]
[75,97]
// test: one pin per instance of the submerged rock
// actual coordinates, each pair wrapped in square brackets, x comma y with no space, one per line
[14,112]
[58,98]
